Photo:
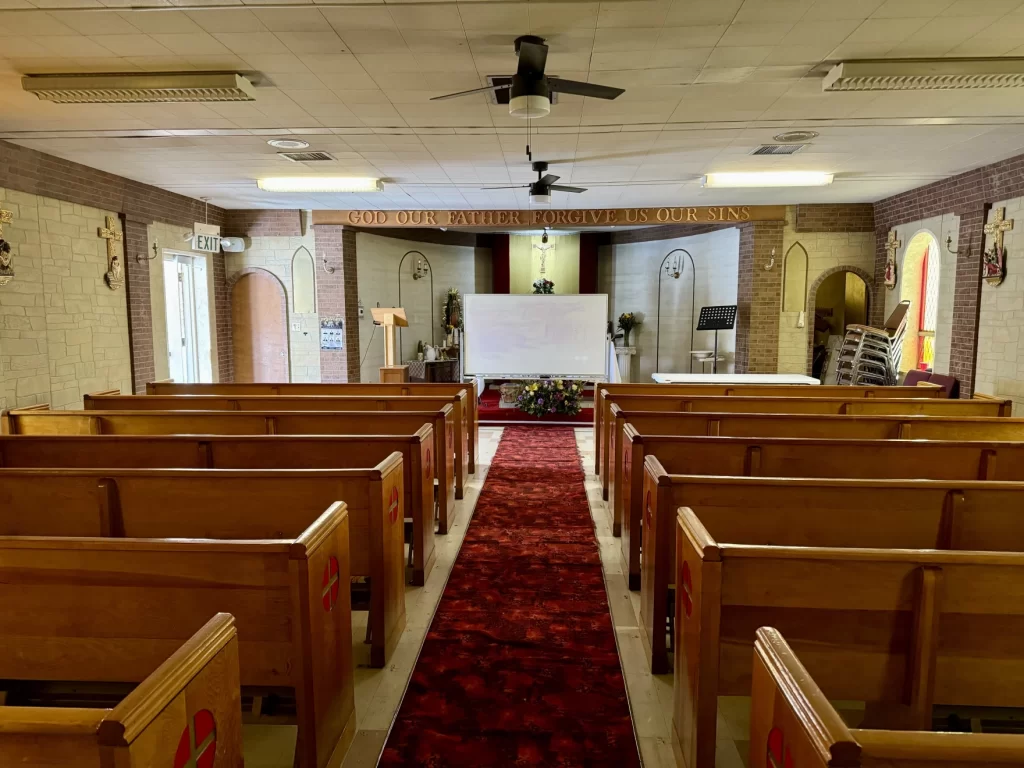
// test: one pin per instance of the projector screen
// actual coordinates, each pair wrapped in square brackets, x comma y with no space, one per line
[528,335]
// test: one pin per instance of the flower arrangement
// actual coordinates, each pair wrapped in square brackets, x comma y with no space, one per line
[627,322]
[543,286]
[551,396]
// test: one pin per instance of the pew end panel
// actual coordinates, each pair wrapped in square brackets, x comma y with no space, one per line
[695,656]
[325,685]
[387,534]
[51,737]
[190,705]
[791,721]
[632,493]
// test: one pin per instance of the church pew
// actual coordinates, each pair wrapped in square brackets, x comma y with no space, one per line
[119,402]
[792,721]
[797,457]
[878,608]
[227,505]
[30,421]
[805,425]
[849,406]
[250,452]
[312,388]
[923,514]
[188,706]
[109,610]
[743,390]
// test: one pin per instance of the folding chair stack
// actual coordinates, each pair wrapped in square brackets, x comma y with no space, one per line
[871,356]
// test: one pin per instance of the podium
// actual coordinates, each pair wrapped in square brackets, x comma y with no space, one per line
[391,318]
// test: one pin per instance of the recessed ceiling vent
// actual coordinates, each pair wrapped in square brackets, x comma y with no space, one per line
[778,149]
[306,157]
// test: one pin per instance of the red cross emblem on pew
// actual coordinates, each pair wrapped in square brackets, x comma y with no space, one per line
[687,586]
[197,747]
[331,585]
[779,755]
[393,508]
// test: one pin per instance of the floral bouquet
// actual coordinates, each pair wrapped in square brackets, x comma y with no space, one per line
[543,286]
[627,322]
[551,396]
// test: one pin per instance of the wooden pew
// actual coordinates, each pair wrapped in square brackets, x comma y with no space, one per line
[848,406]
[226,505]
[792,721]
[311,388]
[189,705]
[251,452]
[109,610]
[798,457]
[118,402]
[888,601]
[806,425]
[805,510]
[39,421]
[742,390]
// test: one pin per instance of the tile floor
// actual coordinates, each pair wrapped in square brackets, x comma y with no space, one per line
[379,691]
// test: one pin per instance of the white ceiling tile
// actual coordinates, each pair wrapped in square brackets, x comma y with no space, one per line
[702,12]
[842,9]
[631,39]
[189,44]
[767,11]
[16,24]
[312,42]
[374,41]
[755,34]
[970,7]
[895,9]
[738,57]
[291,19]
[227,21]
[251,42]
[164,23]
[691,37]
[634,13]
[98,23]
[356,17]
[888,30]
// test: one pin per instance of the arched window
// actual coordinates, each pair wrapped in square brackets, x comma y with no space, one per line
[929,309]
[919,284]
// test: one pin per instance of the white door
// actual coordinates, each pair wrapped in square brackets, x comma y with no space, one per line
[188,323]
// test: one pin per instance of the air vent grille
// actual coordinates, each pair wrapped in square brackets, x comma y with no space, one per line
[778,149]
[306,157]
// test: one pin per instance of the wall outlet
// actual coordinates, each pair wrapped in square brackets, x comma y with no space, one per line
[297,326]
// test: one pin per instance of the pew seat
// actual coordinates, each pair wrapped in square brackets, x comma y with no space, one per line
[227,505]
[42,421]
[250,452]
[108,609]
[186,708]
[797,457]
[887,600]
[793,723]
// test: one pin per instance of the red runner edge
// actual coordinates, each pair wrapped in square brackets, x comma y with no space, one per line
[519,666]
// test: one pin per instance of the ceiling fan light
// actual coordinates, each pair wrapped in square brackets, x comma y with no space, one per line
[529,106]
[537,199]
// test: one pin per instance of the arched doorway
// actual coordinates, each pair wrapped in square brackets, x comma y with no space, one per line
[919,284]
[840,298]
[259,326]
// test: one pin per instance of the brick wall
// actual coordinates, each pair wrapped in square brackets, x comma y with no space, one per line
[262,223]
[968,195]
[744,299]
[765,297]
[350,304]
[330,297]
[844,217]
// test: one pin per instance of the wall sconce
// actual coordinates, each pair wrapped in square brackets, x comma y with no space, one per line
[771,262]
[156,252]
[420,270]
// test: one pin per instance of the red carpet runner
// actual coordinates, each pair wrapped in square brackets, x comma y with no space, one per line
[519,666]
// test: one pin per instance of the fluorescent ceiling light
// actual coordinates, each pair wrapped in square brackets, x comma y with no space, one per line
[320,184]
[924,74]
[140,88]
[769,179]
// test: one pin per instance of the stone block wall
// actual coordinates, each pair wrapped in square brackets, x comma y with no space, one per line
[63,332]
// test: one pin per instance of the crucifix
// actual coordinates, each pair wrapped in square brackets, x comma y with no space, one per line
[993,261]
[113,236]
[6,270]
[544,247]
[891,246]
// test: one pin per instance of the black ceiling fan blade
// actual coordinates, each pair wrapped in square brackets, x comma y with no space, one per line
[548,179]
[514,186]
[592,90]
[533,57]
[563,188]
[472,91]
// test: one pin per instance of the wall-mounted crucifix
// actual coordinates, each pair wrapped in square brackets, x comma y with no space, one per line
[891,246]
[6,257]
[544,247]
[115,272]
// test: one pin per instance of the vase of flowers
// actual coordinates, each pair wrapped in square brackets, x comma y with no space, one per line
[627,322]
[543,286]
[538,398]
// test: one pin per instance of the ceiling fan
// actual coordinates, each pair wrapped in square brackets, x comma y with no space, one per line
[540,190]
[531,89]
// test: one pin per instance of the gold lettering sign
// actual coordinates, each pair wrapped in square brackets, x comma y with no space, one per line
[548,217]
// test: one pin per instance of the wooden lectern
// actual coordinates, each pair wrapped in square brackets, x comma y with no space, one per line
[391,318]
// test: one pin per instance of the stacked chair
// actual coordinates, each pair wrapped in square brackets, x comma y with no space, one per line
[871,356]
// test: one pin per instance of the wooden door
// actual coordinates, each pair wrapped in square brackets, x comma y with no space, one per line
[259,323]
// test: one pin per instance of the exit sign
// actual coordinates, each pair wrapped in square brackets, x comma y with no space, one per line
[207,238]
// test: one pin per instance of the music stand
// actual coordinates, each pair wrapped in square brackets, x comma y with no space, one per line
[721,318]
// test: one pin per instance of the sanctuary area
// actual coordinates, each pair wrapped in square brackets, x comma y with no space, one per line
[521,384]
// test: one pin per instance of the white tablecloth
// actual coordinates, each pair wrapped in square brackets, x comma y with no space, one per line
[734,378]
